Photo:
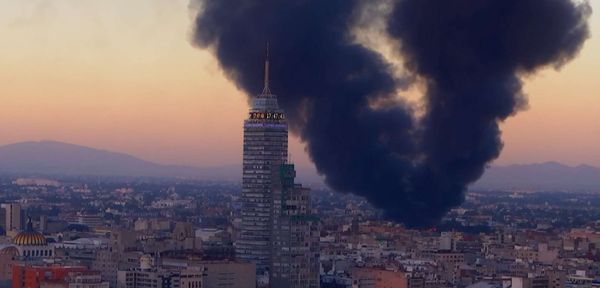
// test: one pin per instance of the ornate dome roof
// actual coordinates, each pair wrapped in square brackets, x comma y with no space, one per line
[29,237]
[10,250]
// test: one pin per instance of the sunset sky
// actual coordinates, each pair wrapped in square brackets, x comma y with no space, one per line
[123,76]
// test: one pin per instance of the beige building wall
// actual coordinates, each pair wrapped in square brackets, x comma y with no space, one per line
[378,278]
[229,275]
[6,262]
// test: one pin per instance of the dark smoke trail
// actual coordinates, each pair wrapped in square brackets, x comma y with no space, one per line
[470,53]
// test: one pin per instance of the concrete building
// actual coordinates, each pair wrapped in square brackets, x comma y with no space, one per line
[8,256]
[107,263]
[228,274]
[143,224]
[90,220]
[159,278]
[216,273]
[378,278]
[86,280]
[446,241]
[2,219]
[149,275]
[556,278]
[265,146]
[122,239]
[13,216]
[26,276]
[295,256]
[530,282]
[415,282]
[43,224]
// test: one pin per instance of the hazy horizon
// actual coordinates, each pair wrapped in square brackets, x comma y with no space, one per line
[57,160]
[549,161]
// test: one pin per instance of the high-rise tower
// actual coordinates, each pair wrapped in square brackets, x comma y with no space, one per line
[265,147]
[296,232]
[14,216]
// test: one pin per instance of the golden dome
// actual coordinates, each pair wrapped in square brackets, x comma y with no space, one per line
[10,250]
[29,237]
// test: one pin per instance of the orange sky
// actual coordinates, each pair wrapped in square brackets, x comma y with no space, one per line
[121,75]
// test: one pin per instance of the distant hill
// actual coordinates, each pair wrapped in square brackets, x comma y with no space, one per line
[50,158]
[549,176]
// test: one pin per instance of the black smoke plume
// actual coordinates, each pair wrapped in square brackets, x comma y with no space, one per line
[340,96]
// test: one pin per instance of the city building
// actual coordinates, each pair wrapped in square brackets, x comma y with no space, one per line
[107,263]
[31,244]
[495,240]
[29,276]
[378,278]
[228,274]
[295,256]
[36,182]
[13,216]
[159,278]
[148,275]
[8,255]
[90,220]
[122,239]
[265,146]
[85,280]
[224,272]
[2,220]
[43,224]
[530,282]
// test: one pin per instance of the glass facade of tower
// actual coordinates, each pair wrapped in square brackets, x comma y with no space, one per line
[265,147]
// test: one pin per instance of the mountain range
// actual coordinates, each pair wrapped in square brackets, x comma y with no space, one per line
[51,158]
[548,176]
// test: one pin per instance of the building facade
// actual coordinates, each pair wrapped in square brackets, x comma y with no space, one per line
[13,216]
[2,220]
[159,278]
[86,280]
[265,146]
[378,278]
[228,274]
[25,276]
[295,247]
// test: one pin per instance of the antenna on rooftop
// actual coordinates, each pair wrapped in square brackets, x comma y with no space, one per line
[267,89]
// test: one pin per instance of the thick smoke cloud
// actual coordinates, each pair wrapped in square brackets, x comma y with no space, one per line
[471,54]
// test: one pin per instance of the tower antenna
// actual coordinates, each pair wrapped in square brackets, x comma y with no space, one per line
[267,89]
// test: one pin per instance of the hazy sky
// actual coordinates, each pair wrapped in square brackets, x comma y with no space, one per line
[122,75]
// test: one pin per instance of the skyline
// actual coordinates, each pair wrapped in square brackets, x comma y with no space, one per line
[299,143]
[163,97]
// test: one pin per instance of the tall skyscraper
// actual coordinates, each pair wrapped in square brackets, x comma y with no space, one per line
[265,147]
[296,232]
[2,218]
[14,217]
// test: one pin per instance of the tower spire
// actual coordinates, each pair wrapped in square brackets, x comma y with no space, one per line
[267,89]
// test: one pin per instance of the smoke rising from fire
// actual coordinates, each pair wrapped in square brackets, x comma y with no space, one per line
[471,55]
